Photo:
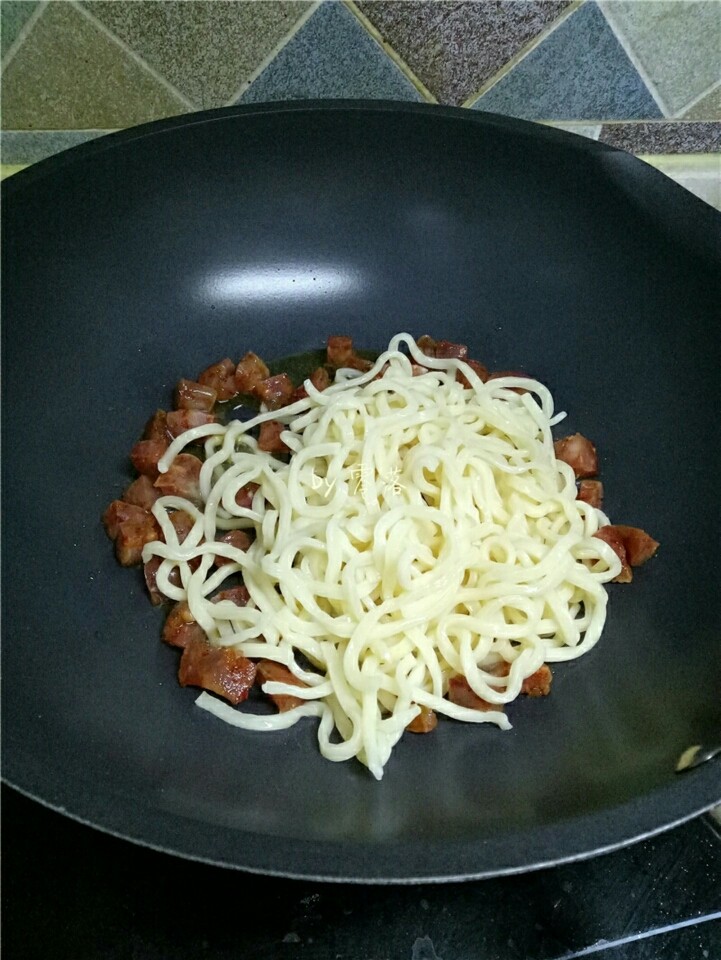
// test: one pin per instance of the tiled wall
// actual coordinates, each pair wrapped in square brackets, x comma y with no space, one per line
[641,74]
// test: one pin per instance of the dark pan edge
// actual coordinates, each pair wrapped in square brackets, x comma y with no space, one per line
[638,820]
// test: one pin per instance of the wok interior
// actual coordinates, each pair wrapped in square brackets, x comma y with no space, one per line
[144,262]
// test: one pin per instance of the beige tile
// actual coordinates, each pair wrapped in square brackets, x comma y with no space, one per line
[68,74]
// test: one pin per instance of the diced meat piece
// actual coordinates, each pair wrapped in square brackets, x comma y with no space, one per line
[180,627]
[269,439]
[244,496]
[339,350]
[591,491]
[275,392]
[181,420]
[118,512]
[141,492]
[237,595]
[132,536]
[150,572]
[145,455]
[221,670]
[579,453]
[359,363]
[156,427]
[192,395]
[445,350]
[182,522]
[539,683]
[477,368]
[221,378]
[249,373]
[320,378]
[610,535]
[182,478]
[340,353]
[427,345]
[460,693]
[424,722]
[640,547]
[236,538]
[279,673]
[416,370]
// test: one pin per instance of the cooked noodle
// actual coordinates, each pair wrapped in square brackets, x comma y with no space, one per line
[421,529]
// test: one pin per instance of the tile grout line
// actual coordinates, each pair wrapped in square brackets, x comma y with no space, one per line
[22,36]
[635,937]
[128,51]
[630,53]
[376,35]
[704,93]
[270,57]
[523,52]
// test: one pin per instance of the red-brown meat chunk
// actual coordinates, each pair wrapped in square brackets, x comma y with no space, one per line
[180,627]
[181,420]
[249,373]
[579,453]
[278,673]
[150,573]
[156,427]
[118,512]
[424,722]
[145,455]
[339,350]
[182,479]
[269,439]
[460,693]
[640,547]
[477,368]
[221,670]
[132,536]
[442,349]
[539,683]
[591,491]
[192,395]
[237,595]
[275,392]
[340,353]
[244,496]
[141,492]
[221,378]
[613,538]
[320,378]
[236,538]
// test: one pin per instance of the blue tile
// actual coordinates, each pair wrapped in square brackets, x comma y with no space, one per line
[579,72]
[29,146]
[332,55]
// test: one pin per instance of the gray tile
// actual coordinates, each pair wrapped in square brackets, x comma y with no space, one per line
[681,136]
[14,14]
[677,43]
[69,75]
[332,55]
[455,47]
[579,72]
[29,146]
[205,49]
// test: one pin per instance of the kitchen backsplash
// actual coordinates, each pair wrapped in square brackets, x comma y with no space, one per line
[644,75]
